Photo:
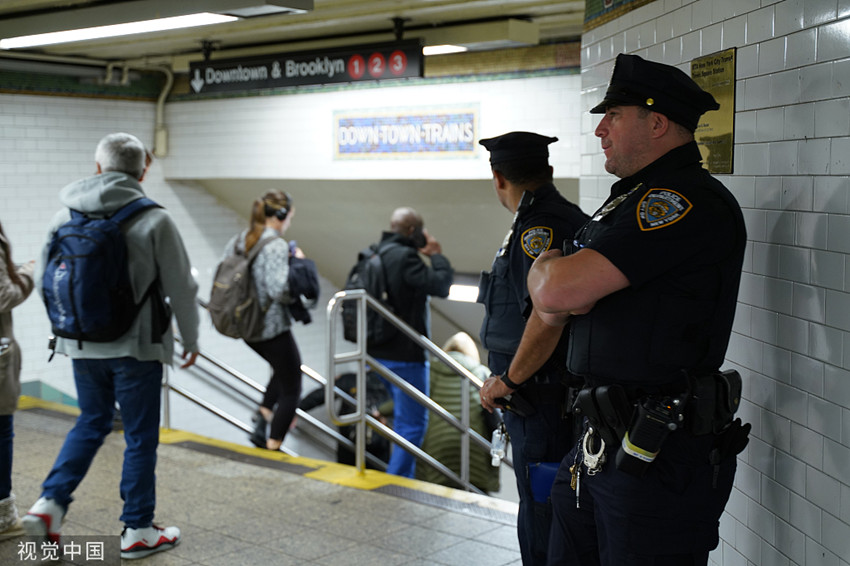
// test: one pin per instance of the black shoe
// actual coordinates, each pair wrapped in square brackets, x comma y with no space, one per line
[258,437]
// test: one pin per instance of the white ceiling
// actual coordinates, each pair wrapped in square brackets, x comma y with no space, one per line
[331,23]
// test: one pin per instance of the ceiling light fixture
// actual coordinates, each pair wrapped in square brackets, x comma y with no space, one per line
[115,30]
[501,34]
[444,49]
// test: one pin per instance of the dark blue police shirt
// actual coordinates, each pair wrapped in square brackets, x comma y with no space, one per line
[678,236]
[544,220]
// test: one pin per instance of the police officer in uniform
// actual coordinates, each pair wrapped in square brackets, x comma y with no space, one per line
[538,421]
[650,293]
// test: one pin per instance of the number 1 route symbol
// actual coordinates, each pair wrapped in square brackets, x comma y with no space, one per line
[356,67]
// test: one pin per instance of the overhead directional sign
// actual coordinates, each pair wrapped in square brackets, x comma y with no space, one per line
[365,63]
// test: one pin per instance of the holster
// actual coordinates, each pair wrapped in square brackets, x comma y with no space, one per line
[714,399]
[524,401]
[731,441]
[516,403]
[608,410]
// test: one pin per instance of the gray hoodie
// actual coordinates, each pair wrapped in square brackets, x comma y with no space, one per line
[154,250]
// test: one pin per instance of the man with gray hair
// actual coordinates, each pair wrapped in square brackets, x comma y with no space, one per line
[124,366]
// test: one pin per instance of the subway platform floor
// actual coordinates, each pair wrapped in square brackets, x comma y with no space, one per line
[242,506]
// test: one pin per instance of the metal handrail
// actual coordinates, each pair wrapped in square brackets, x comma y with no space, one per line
[360,418]
[240,377]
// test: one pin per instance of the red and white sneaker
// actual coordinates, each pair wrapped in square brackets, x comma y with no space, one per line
[44,519]
[138,543]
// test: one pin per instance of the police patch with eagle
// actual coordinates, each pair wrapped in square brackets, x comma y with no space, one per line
[536,240]
[661,207]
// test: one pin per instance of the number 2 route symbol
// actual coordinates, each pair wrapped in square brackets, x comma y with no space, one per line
[377,65]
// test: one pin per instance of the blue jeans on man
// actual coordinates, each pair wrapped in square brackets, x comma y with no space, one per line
[135,385]
[410,419]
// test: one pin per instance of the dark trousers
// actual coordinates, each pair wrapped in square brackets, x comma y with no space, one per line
[284,389]
[542,437]
[7,435]
[668,517]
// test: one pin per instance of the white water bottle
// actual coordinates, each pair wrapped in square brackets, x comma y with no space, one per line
[497,445]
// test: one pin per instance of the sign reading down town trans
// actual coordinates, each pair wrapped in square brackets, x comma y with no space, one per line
[365,63]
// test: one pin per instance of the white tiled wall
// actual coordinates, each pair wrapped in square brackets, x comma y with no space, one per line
[292,137]
[791,340]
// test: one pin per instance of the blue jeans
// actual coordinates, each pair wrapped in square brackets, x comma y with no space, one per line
[410,419]
[136,387]
[7,434]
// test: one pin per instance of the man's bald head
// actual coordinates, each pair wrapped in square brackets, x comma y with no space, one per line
[405,221]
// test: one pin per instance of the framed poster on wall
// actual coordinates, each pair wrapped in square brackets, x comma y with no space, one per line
[715,133]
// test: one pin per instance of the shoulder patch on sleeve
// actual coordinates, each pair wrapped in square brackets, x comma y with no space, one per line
[536,240]
[660,208]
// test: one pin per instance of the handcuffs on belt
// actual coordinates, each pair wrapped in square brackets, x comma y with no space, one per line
[593,461]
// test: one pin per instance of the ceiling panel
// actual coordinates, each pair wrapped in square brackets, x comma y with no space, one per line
[331,23]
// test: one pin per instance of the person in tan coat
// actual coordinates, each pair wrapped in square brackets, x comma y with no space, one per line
[16,284]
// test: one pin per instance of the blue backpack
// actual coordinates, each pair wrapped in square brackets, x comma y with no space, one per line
[86,283]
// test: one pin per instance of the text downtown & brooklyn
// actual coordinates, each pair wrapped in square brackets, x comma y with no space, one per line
[291,69]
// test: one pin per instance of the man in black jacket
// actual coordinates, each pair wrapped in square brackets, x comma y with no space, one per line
[410,282]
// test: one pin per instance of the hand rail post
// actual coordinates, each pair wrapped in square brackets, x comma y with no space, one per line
[166,405]
[360,418]
[360,427]
[464,434]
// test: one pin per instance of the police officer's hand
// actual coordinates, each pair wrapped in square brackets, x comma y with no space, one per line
[432,246]
[491,390]
[547,256]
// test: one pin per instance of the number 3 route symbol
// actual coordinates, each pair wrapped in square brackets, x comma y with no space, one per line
[398,63]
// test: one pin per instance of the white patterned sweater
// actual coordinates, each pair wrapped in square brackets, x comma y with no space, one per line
[270,271]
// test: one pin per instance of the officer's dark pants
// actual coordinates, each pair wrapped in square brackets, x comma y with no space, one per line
[542,437]
[669,517]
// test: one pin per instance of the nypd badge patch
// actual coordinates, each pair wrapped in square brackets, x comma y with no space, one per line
[536,240]
[661,207]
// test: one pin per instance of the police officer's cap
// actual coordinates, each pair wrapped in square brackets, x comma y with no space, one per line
[661,88]
[517,145]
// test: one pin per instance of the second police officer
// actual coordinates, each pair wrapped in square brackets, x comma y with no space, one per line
[538,421]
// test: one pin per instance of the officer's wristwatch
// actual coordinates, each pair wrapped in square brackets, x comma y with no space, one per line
[507,381]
